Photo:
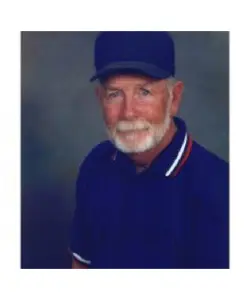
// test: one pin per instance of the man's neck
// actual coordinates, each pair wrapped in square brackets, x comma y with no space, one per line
[146,158]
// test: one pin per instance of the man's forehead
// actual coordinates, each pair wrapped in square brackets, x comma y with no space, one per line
[124,80]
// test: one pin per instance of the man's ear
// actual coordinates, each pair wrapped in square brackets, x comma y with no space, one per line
[99,92]
[177,96]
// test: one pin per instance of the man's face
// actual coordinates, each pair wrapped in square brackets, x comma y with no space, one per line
[136,111]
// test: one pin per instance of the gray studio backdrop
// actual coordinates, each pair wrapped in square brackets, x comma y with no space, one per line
[61,122]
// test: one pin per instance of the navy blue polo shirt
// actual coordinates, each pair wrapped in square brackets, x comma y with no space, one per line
[174,214]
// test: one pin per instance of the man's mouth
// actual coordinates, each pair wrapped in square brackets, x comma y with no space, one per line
[132,134]
[132,131]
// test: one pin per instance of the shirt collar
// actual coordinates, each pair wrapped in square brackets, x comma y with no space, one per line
[170,160]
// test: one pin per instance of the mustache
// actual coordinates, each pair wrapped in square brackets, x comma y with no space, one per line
[132,125]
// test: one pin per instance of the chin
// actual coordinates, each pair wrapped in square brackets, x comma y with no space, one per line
[136,145]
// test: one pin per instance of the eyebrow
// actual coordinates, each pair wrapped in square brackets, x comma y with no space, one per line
[114,88]
[150,82]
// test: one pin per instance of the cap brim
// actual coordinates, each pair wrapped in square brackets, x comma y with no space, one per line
[131,67]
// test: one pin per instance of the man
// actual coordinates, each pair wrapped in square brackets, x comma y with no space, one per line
[151,197]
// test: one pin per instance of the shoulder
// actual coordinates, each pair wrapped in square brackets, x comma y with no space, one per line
[92,164]
[207,163]
[98,154]
[208,174]
[100,151]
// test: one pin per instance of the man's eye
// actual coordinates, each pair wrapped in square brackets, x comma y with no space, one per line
[144,92]
[113,94]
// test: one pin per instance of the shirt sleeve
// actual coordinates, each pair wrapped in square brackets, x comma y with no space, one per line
[80,236]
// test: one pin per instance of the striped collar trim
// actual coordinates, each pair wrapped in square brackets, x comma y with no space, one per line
[178,157]
[181,157]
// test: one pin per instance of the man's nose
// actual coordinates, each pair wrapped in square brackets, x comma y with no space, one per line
[128,111]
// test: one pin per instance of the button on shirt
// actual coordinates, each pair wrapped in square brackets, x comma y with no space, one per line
[173,214]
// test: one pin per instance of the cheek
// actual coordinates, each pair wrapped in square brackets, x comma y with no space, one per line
[154,112]
[111,114]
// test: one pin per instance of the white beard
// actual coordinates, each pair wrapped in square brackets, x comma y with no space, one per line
[130,144]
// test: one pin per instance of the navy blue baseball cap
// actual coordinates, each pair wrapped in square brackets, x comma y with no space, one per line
[149,53]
